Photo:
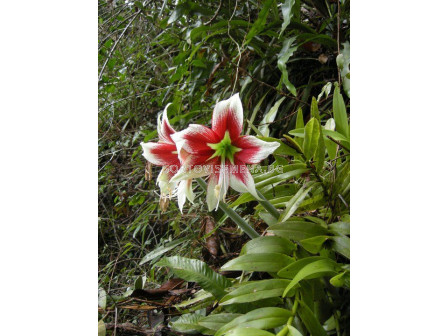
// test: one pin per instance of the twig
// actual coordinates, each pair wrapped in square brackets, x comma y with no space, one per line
[337,142]
[215,15]
[339,50]
[116,43]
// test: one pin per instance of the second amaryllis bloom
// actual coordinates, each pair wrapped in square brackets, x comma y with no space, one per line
[221,152]
[164,153]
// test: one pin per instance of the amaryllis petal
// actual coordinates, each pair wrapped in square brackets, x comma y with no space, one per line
[194,139]
[253,150]
[184,191]
[212,199]
[164,128]
[218,185]
[167,188]
[228,116]
[189,190]
[160,154]
[185,173]
[241,179]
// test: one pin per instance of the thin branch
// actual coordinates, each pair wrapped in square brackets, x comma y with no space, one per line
[215,15]
[116,43]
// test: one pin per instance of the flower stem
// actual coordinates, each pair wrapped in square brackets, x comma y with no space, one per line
[249,230]
[267,205]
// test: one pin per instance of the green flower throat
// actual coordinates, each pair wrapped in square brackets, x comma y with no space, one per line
[224,149]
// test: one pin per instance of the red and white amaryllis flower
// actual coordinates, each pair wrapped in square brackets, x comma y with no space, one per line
[164,153]
[221,152]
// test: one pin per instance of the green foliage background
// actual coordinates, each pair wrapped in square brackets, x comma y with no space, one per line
[279,55]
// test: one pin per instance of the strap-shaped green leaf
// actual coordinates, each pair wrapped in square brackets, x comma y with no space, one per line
[311,141]
[197,271]
[342,245]
[262,318]
[297,229]
[293,331]
[310,320]
[216,321]
[256,290]
[269,244]
[313,270]
[259,262]
[248,332]
[314,244]
[340,114]
[294,203]
[291,270]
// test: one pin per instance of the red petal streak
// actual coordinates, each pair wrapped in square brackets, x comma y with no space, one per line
[227,121]
[249,150]
[167,130]
[196,139]
[240,171]
[161,154]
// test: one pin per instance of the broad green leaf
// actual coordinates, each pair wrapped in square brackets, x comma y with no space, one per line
[188,323]
[269,244]
[244,308]
[263,176]
[297,229]
[313,270]
[269,220]
[340,114]
[283,58]
[216,321]
[263,318]
[260,23]
[197,271]
[319,157]
[342,279]
[259,262]
[314,244]
[336,136]
[281,177]
[342,228]
[287,12]
[315,109]
[270,117]
[248,332]
[342,245]
[310,320]
[299,119]
[291,270]
[256,290]
[294,203]
[293,331]
[298,132]
[101,328]
[312,133]
[299,124]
